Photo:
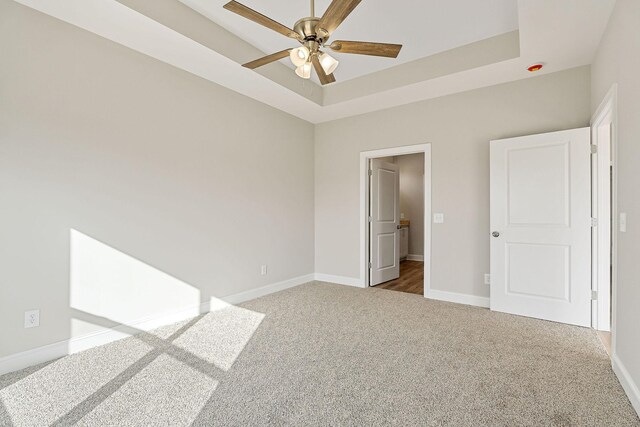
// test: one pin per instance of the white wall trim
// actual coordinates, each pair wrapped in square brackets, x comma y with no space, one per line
[17,361]
[268,289]
[458,298]
[341,280]
[364,199]
[629,386]
[605,308]
[53,351]
[107,335]
[412,257]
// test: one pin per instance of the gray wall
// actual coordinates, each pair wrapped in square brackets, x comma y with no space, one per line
[459,127]
[180,174]
[618,61]
[412,198]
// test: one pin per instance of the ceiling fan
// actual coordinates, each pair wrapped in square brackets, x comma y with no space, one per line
[313,33]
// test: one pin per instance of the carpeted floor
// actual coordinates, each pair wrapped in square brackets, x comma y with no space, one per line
[322,354]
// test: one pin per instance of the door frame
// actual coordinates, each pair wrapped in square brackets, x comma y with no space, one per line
[365,156]
[606,113]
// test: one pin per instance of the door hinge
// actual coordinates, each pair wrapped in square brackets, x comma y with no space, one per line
[594,149]
[594,295]
[370,219]
[594,222]
[370,172]
[370,264]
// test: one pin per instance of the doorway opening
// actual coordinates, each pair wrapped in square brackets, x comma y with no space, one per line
[396,212]
[603,237]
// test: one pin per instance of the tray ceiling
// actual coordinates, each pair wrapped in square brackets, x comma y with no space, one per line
[423,27]
[451,46]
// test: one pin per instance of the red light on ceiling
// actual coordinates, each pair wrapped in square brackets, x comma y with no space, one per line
[534,68]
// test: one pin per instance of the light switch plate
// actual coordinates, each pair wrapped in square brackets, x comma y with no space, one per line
[487,279]
[438,218]
[263,270]
[31,318]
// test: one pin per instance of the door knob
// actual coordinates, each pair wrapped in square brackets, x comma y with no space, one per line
[495,234]
[398,227]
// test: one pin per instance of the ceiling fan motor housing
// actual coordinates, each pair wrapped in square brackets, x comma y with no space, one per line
[307,28]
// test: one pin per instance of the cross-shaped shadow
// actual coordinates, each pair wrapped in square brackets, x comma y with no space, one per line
[214,368]
[160,346]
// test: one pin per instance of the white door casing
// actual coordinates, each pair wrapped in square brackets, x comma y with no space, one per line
[601,163]
[384,210]
[541,226]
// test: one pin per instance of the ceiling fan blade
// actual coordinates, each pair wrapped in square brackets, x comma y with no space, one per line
[267,59]
[259,18]
[337,11]
[324,78]
[366,48]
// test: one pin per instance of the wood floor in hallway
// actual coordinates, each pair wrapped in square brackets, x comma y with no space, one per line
[411,278]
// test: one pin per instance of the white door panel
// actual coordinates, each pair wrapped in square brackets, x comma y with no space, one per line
[385,218]
[541,225]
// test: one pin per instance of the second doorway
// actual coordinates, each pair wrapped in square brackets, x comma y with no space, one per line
[396,222]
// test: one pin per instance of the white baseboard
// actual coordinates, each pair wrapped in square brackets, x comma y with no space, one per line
[340,280]
[269,289]
[107,335]
[53,351]
[411,257]
[458,298]
[17,361]
[628,384]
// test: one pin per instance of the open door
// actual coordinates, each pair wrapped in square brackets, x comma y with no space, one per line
[384,222]
[541,226]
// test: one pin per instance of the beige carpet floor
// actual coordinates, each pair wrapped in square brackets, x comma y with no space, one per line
[322,354]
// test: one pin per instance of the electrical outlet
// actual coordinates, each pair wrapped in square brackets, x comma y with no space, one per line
[31,318]
[438,218]
[487,279]
[263,270]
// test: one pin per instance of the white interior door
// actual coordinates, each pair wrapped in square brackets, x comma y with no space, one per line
[384,212]
[541,226]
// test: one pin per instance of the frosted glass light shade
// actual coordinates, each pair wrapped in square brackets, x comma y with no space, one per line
[299,55]
[328,64]
[304,70]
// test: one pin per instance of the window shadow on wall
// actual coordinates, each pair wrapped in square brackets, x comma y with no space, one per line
[176,367]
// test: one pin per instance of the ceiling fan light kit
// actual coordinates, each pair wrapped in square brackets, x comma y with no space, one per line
[313,33]
[304,70]
[329,64]
[299,56]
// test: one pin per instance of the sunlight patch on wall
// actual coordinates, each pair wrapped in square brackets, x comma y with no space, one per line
[106,282]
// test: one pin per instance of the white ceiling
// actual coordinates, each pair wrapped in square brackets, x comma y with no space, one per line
[561,33]
[423,27]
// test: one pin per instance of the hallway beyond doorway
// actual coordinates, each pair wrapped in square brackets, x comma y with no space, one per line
[411,278]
